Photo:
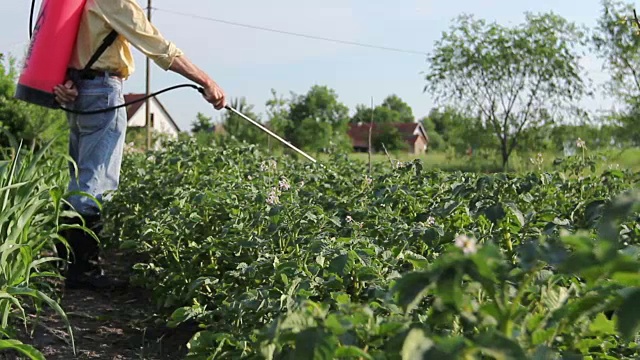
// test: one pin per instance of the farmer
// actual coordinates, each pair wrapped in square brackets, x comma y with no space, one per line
[96,141]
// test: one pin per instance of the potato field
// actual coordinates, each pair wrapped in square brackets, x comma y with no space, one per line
[274,257]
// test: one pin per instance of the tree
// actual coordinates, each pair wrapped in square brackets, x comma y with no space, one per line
[240,128]
[436,139]
[319,105]
[617,42]
[625,125]
[313,135]
[403,111]
[450,128]
[32,124]
[203,130]
[390,137]
[278,120]
[392,110]
[201,123]
[509,75]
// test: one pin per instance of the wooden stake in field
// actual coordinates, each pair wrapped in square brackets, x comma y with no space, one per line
[370,131]
[148,91]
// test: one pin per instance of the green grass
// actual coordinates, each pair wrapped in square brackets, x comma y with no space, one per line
[624,159]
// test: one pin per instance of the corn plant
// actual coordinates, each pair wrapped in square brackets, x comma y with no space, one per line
[31,197]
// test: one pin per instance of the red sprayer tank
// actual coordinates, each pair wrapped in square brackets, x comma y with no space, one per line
[54,37]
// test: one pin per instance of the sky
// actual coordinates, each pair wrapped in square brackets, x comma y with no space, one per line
[249,63]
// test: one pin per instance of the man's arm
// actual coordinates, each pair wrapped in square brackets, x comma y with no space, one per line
[213,93]
[129,20]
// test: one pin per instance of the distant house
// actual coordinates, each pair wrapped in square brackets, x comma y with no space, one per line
[161,120]
[413,133]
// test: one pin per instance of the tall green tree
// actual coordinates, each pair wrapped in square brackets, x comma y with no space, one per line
[617,41]
[389,138]
[392,110]
[203,129]
[201,123]
[318,120]
[509,75]
[278,120]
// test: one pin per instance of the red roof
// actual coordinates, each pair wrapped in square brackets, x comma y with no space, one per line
[359,133]
[133,108]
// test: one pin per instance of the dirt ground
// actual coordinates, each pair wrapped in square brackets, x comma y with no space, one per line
[106,325]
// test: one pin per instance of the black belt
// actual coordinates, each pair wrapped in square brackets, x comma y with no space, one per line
[91,74]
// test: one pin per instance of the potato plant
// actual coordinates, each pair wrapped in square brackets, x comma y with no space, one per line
[283,259]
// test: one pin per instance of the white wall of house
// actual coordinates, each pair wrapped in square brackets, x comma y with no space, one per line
[161,122]
[423,133]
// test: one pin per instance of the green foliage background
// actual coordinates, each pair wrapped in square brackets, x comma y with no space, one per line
[30,123]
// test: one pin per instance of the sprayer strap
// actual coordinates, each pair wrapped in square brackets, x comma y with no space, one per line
[108,40]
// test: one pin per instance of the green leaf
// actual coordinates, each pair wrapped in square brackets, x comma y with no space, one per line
[179,316]
[541,336]
[449,286]
[544,353]
[129,245]
[26,350]
[499,347]
[336,325]
[340,265]
[410,289]
[517,213]
[341,298]
[602,326]
[617,211]
[627,278]
[628,315]
[593,211]
[10,300]
[204,341]
[416,345]
[495,213]
[352,352]
[315,344]
[36,294]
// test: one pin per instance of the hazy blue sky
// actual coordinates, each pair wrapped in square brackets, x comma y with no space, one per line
[249,63]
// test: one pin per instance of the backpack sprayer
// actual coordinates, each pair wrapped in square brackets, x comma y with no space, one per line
[49,54]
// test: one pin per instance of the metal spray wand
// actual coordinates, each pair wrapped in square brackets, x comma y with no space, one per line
[269,132]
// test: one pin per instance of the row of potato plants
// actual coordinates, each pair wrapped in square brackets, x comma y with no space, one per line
[276,258]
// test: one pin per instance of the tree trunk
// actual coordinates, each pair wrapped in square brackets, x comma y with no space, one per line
[504,152]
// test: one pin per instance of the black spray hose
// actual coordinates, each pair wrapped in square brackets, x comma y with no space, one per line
[200,89]
[33,7]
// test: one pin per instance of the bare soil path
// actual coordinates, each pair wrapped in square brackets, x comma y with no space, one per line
[106,325]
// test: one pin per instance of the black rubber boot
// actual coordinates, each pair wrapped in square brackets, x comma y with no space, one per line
[72,236]
[84,270]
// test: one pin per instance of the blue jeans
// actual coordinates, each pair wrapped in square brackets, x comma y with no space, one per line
[96,141]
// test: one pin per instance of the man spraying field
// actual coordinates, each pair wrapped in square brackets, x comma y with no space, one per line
[96,141]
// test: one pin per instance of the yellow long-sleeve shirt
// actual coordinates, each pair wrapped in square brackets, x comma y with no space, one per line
[129,20]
